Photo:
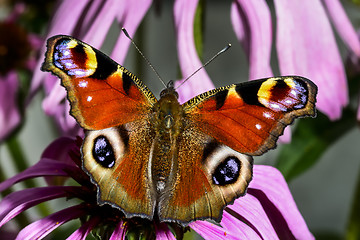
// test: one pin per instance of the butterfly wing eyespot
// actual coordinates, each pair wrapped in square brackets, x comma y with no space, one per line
[118,170]
[100,91]
[249,117]
[103,152]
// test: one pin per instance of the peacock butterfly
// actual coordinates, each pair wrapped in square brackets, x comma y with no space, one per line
[159,159]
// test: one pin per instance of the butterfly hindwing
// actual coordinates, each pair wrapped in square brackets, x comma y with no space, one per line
[101,92]
[249,117]
[117,160]
[199,189]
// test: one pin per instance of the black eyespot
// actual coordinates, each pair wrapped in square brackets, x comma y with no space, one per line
[103,152]
[227,172]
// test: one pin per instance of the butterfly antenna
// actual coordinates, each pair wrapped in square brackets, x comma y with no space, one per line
[147,61]
[204,65]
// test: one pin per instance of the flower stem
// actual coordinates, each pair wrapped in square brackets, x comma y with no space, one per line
[353,228]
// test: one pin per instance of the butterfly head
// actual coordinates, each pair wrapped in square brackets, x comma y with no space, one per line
[169,90]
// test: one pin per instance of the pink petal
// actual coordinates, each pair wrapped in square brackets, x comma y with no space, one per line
[119,232]
[306,46]
[45,167]
[133,12]
[252,24]
[9,112]
[343,25]
[163,232]
[211,231]
[92,11]
[59,150]
[63,22]
[17,202]
[85,229]
[270,187]
[96,34]
[239,228]
[42,227]
[250,211]
[184,13]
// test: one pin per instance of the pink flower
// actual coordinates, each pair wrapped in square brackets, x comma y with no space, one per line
[90,22]
[267,211]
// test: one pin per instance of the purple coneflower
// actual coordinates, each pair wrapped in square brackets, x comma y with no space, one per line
[267,211]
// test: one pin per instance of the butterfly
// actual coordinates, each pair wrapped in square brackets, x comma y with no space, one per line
[159,159]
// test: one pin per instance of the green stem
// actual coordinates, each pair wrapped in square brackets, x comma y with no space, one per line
[353,228]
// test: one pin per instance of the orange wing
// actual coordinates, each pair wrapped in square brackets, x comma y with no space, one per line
[249,117]
[102,93]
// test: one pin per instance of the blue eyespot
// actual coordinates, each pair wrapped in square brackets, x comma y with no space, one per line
[103,152]
[227,172]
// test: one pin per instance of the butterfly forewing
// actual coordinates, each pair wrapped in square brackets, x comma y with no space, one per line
[114,106]
[249,117]
[102,93]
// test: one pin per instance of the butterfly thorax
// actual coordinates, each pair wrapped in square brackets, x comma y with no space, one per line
[168,121]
